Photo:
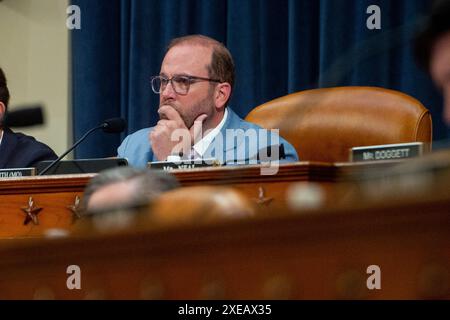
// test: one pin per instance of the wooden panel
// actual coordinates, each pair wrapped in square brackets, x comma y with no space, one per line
[316,255]
[55,213]
[54,194]
[44,184]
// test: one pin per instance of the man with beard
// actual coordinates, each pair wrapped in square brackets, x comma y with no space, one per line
[195,83]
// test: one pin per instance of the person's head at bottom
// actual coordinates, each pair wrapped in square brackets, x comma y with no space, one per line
[125,188]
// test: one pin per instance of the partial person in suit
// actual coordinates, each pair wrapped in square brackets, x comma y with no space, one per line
[432,49]
[18,150]
[195,84]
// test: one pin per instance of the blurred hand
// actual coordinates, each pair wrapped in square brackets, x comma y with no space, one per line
[165,137]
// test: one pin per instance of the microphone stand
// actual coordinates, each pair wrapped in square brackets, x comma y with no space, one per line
[51,165]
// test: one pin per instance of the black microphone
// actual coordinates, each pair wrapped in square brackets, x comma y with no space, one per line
[24,117]
[114,125]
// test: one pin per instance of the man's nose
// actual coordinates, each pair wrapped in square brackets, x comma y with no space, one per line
[168,91]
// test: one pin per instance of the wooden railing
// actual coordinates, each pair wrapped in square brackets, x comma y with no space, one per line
[31,205]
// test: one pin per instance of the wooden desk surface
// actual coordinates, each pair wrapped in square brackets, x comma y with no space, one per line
[300,171]
[55,199]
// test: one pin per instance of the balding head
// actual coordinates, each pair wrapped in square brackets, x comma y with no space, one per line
[222,65]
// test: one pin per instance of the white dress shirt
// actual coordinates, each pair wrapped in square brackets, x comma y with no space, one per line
[199,149]
[201,146]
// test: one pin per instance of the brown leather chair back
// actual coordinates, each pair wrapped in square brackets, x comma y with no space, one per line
[322,124]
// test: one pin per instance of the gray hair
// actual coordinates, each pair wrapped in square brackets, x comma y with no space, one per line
[148,184]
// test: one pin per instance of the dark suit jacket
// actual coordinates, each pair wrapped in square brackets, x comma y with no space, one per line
[18,150]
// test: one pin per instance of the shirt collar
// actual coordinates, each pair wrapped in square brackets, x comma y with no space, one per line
[1,136]
[201,146]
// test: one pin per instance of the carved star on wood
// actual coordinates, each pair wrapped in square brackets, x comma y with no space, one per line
[31,212]
[262,199]
[76,210]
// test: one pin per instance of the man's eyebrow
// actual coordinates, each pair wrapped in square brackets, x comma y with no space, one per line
[182,74]
[176,74]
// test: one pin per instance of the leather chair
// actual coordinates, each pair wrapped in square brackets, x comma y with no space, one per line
[323,124]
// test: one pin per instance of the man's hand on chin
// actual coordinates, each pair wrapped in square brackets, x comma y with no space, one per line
[171,136]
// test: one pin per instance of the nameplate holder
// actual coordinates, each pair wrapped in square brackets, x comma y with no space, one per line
[183,164]
[17,172]
[81,166]
[386,152]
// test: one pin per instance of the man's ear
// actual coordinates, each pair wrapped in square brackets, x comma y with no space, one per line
[2,109]
[223,92]
[2,113]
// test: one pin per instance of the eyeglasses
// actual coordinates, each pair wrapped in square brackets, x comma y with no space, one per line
[180,84]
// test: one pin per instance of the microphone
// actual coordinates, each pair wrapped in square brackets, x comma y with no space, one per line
[114,125]
[24,117]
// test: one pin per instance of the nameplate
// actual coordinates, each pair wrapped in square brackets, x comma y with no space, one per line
[17,172]
[386,152]
[183,164]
